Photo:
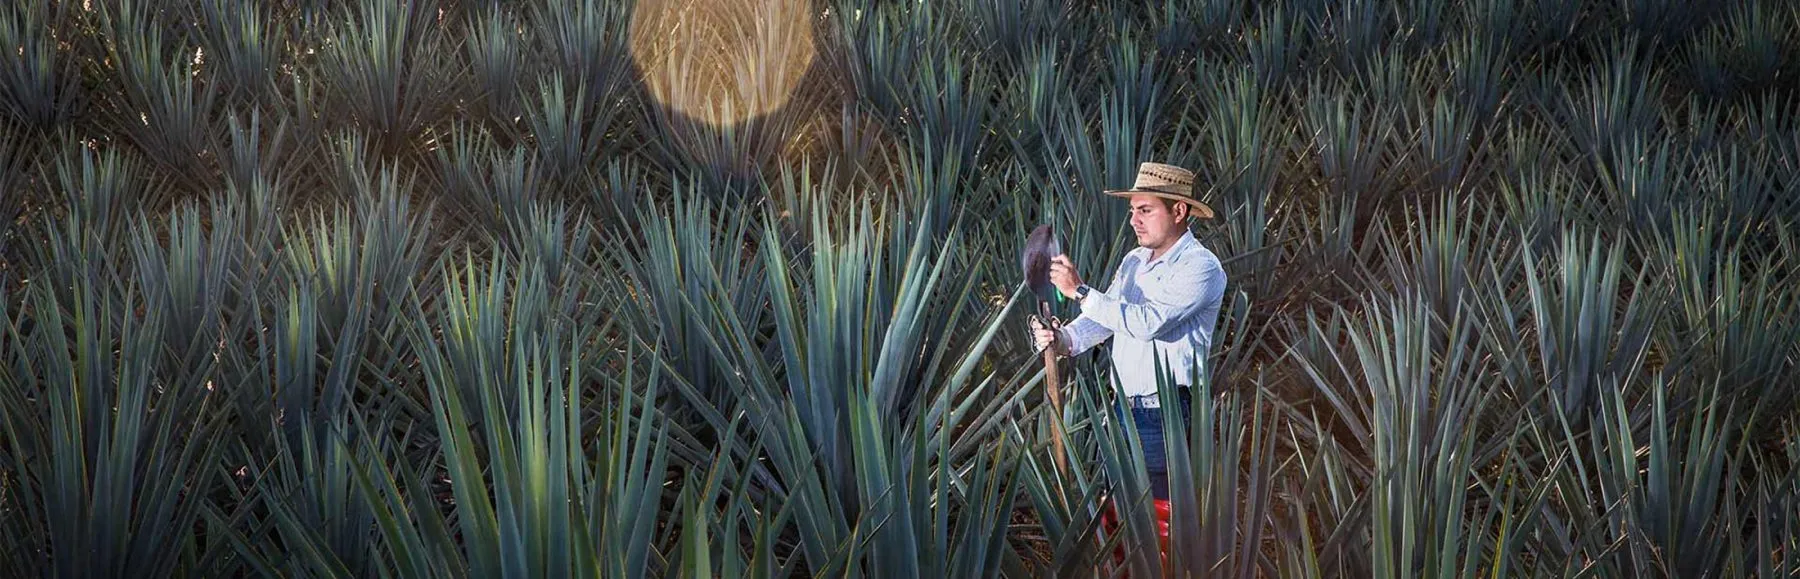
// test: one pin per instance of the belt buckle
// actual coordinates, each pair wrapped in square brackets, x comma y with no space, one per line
[1146,401]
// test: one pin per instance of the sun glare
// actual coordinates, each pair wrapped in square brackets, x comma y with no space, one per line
[722,61]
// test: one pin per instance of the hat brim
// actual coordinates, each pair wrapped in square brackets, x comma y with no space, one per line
[1201,210]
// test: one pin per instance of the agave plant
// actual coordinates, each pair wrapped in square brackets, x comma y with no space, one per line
[172,106]
[246,47]
[109,441]
[39,81]
[497,49]
[1614,105]
[371,58]
[1587,341]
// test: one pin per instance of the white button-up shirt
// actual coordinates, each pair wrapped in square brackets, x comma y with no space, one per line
[1165,307]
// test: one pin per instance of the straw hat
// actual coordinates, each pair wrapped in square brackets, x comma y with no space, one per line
[1167,182]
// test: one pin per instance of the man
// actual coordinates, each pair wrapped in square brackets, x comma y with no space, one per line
[1162,303]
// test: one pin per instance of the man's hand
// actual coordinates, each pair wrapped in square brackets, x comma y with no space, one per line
[1043,337]
[1062,274]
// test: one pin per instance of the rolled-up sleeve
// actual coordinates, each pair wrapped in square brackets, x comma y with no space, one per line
[1084,333]
[1165,306]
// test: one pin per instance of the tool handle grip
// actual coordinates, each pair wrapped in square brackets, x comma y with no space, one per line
[1053,390]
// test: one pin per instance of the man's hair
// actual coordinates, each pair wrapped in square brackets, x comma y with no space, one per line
[1171,203]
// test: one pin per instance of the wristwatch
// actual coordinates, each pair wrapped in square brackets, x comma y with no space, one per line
[1081,292]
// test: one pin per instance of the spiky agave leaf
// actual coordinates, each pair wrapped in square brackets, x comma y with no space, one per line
[1137,93]
[882,47]
[350,165]
[1354,31]
[1423,23]
[1447,138]
[14,191]
[1709,60]
[1753,34]
[1206,28]
[191,278]
[909,487]
[1434,258]
[1391,75]
[1096,516]
[942,179]
[1480,75]
[300,510]
[947,104]
[736,509]
[1776,498]
[1442,504]
[1540,196]
[617,190]
[1040,90]
[1665,22]
[1424,377]
[547,235]
[1550,23]
[1743,195]
[1326,513]
[341,289]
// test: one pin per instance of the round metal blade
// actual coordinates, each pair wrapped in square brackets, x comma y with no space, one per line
[1040,247]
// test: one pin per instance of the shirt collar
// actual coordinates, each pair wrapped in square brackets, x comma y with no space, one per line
[1174,252]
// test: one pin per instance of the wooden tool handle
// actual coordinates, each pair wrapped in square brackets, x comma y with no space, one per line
[1053,389]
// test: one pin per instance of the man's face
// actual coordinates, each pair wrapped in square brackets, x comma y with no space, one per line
[1156,222]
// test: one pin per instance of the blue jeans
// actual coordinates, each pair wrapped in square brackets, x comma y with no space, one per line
[1149,423]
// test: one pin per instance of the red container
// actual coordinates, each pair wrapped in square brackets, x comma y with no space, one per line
[1110,523]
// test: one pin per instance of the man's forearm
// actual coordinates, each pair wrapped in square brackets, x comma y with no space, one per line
[1080,335]
[1181,297]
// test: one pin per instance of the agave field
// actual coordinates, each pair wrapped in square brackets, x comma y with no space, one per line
[731,288]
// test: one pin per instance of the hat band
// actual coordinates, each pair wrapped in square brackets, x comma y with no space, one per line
[1184,191]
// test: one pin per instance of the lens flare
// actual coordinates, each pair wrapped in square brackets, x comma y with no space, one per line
[722,61]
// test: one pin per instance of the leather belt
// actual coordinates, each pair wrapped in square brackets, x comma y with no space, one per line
[1149,401]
